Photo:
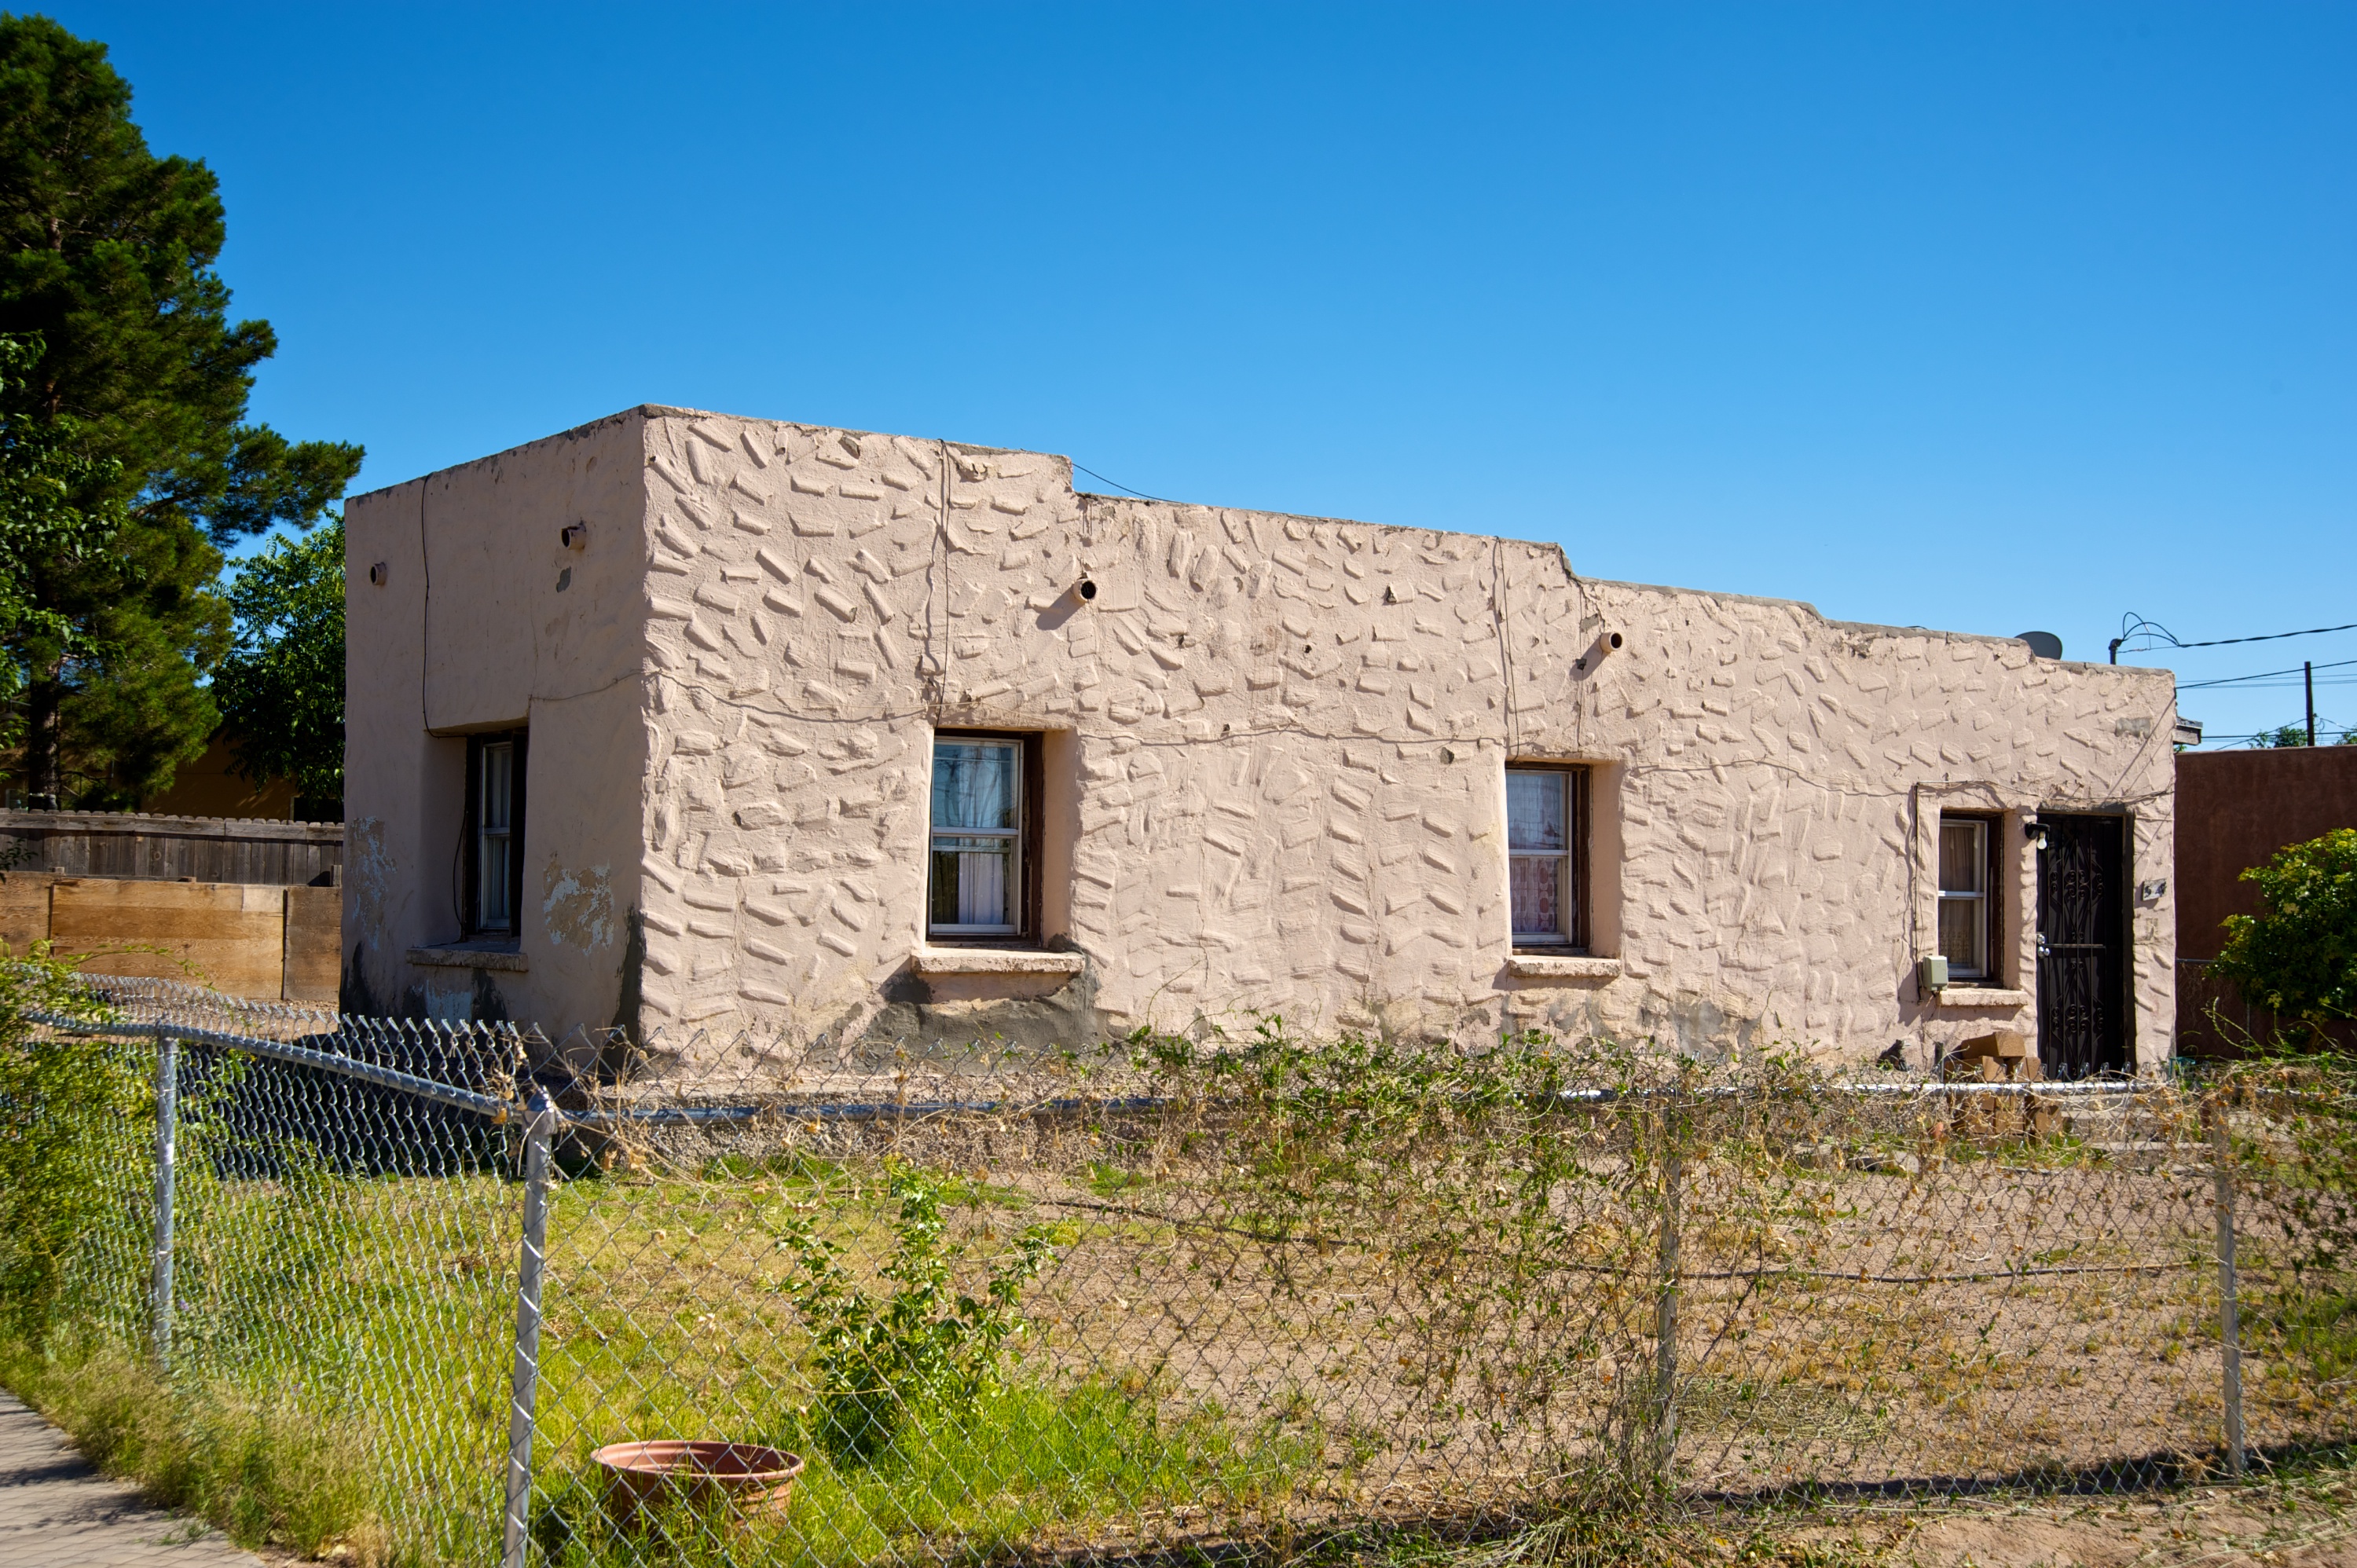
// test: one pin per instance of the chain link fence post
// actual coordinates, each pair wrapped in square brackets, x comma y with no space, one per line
[1665,1328]
[2230,1338]
[532,1258]
[167,1113]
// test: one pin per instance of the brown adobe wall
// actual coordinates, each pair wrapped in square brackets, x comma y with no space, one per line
[2236,810]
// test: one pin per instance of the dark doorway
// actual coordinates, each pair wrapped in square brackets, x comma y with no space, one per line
[2083,947]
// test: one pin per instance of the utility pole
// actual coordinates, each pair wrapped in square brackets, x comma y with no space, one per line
[2308,679]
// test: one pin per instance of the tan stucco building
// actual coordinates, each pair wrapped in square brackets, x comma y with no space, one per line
[680,722]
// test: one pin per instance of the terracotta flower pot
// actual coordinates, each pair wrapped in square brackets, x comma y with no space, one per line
[751,1479]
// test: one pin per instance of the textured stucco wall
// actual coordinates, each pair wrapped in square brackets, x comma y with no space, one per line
[487,621]
[1275,763]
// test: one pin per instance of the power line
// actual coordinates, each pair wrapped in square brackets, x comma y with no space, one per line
[2264,674]
[1124,489]
[2292,684]
[2133,625]
[2264,739]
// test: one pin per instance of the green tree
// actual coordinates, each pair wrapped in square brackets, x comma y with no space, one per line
[2297,957]
[41,474]
[281,689]
[107,253]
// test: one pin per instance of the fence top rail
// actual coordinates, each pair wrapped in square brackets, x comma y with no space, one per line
[149,998]
[155,1008]
[488,1105]
[502,1110]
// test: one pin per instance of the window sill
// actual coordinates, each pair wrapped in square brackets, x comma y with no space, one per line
[501,956]
[995,961]
[1983,996]
[1532,966]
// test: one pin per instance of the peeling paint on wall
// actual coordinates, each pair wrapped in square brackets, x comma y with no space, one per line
[579,907]
[442,1003]
[368,872]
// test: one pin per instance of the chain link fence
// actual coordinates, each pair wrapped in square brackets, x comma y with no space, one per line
[735,1300]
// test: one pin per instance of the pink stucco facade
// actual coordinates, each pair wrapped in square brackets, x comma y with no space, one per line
[1270,758]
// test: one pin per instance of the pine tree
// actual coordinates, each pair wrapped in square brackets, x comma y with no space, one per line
[42,472]
[106,257]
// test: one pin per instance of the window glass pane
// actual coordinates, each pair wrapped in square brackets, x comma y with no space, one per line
[971,879]
[495,882]
[499,772]
[1537,882]
[1963,930]
[1963,861]
[495,846]
[974,784]
[1534,814]
[945,889]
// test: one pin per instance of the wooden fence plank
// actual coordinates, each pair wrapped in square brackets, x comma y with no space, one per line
[169,849]
[315,942]
[24,908]
[234,934]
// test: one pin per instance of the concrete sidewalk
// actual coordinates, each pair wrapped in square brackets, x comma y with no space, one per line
[56,1511]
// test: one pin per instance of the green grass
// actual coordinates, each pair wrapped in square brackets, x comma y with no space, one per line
[1111,1180]
[342,1359]
[265,1471]
[1029,1466]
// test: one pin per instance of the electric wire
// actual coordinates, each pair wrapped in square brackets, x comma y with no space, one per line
[2133,625]
[2328,732]
[1117,484]
[2271,674]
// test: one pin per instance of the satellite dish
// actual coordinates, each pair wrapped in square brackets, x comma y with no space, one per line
[2044,644]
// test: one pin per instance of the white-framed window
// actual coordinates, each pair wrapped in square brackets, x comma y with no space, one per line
[1968,908]
[1543,854]
[979,808]
[495,830]
[495,836]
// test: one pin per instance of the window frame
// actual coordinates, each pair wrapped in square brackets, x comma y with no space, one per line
[1027,899]
[1986,898]
[1574,942]
[472,924]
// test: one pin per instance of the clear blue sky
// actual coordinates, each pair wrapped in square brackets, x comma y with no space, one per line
[1980,317]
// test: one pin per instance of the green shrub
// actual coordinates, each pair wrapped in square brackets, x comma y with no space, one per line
[879,1358]
[66,1106]
[2297,957]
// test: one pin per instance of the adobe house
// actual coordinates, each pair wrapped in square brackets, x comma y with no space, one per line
[684,722]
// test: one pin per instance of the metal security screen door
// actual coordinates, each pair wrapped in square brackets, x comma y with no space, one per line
[977,871]
[2083,1022]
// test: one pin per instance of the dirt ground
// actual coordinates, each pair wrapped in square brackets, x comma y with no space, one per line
[2308,1523]
[2305,1524]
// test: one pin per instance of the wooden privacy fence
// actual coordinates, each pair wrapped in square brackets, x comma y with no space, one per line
[151,848]
[249,940]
